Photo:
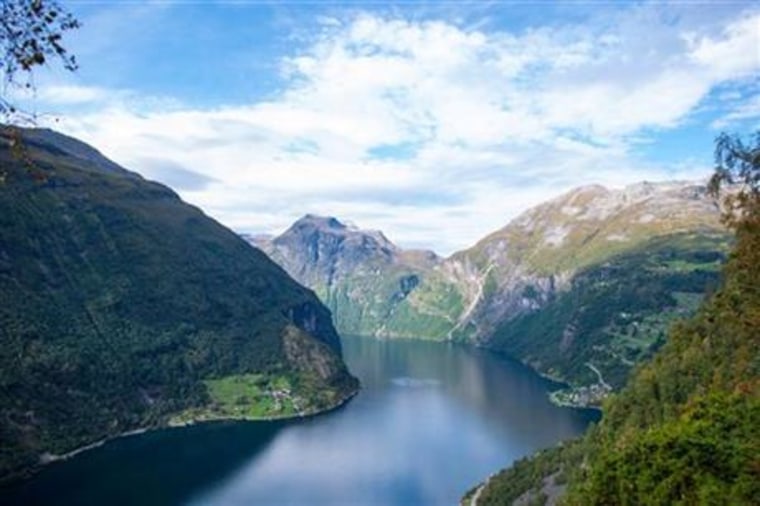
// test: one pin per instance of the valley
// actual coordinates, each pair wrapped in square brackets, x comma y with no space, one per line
[379,253]
[557,290]
[583,286]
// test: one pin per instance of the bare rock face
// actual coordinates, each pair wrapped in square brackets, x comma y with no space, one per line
[361,276]
[375,288]
[319,250]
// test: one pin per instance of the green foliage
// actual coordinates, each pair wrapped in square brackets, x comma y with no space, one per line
[685,428]
[117,301]
[737,162]
[31,33]
[429,312]
[371,304]
[257,396]
[525,476]
[532,479]
[616,314]
[706,455]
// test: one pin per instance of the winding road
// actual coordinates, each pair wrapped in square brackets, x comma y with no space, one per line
[473,304]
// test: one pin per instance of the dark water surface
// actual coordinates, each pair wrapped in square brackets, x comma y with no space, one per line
[431,421]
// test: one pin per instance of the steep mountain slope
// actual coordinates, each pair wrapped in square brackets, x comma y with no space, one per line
[585,286]
[542,249]
[685,428]
[615,314]
[122,307]
[360,275]
[581,287]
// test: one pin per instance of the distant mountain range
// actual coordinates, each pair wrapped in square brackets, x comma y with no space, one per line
[593,276]
[122,307]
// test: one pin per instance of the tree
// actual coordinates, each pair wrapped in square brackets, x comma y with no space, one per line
[738,163]
[31,34]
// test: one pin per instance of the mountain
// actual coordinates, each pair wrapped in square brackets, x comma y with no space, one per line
[122,307]
[586,285]
[543,248]
[684,430]
[530,289]
[360,275]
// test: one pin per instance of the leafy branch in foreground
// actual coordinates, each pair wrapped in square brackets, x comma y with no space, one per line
[737,163]
[31,34]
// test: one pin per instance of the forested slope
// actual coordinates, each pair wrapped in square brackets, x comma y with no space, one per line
[616,314]
[685,428]
[120,306]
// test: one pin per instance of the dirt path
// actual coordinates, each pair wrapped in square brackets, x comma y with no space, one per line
[598,374]
[476,496]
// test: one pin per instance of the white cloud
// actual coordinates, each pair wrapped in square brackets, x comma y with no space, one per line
[733,54]
[744,110]
[69,94]
[491,121]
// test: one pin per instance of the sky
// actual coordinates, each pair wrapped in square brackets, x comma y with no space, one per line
[435,122]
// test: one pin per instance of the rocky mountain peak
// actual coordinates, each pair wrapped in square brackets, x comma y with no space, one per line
[591,222]
[318,222]
[330,235]
[374,287]
[320,250]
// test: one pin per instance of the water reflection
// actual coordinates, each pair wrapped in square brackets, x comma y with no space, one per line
[431,421]
[158,468]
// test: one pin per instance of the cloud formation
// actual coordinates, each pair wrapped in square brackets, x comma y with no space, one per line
[432,131]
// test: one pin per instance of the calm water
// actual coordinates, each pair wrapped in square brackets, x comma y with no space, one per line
[431,421]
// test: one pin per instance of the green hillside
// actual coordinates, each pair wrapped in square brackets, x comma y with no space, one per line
[120,306]
[615,314]
[685,428]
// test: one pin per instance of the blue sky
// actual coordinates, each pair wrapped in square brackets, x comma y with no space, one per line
[436,122]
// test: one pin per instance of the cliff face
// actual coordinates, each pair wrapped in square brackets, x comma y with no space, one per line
[504,291]
[588,283]
[315,319]
[547,245]
[360,275]
[119,302]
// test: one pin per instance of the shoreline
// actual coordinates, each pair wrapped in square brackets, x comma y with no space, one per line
[558,383]
[274,418]
[562,404]
[47,458]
